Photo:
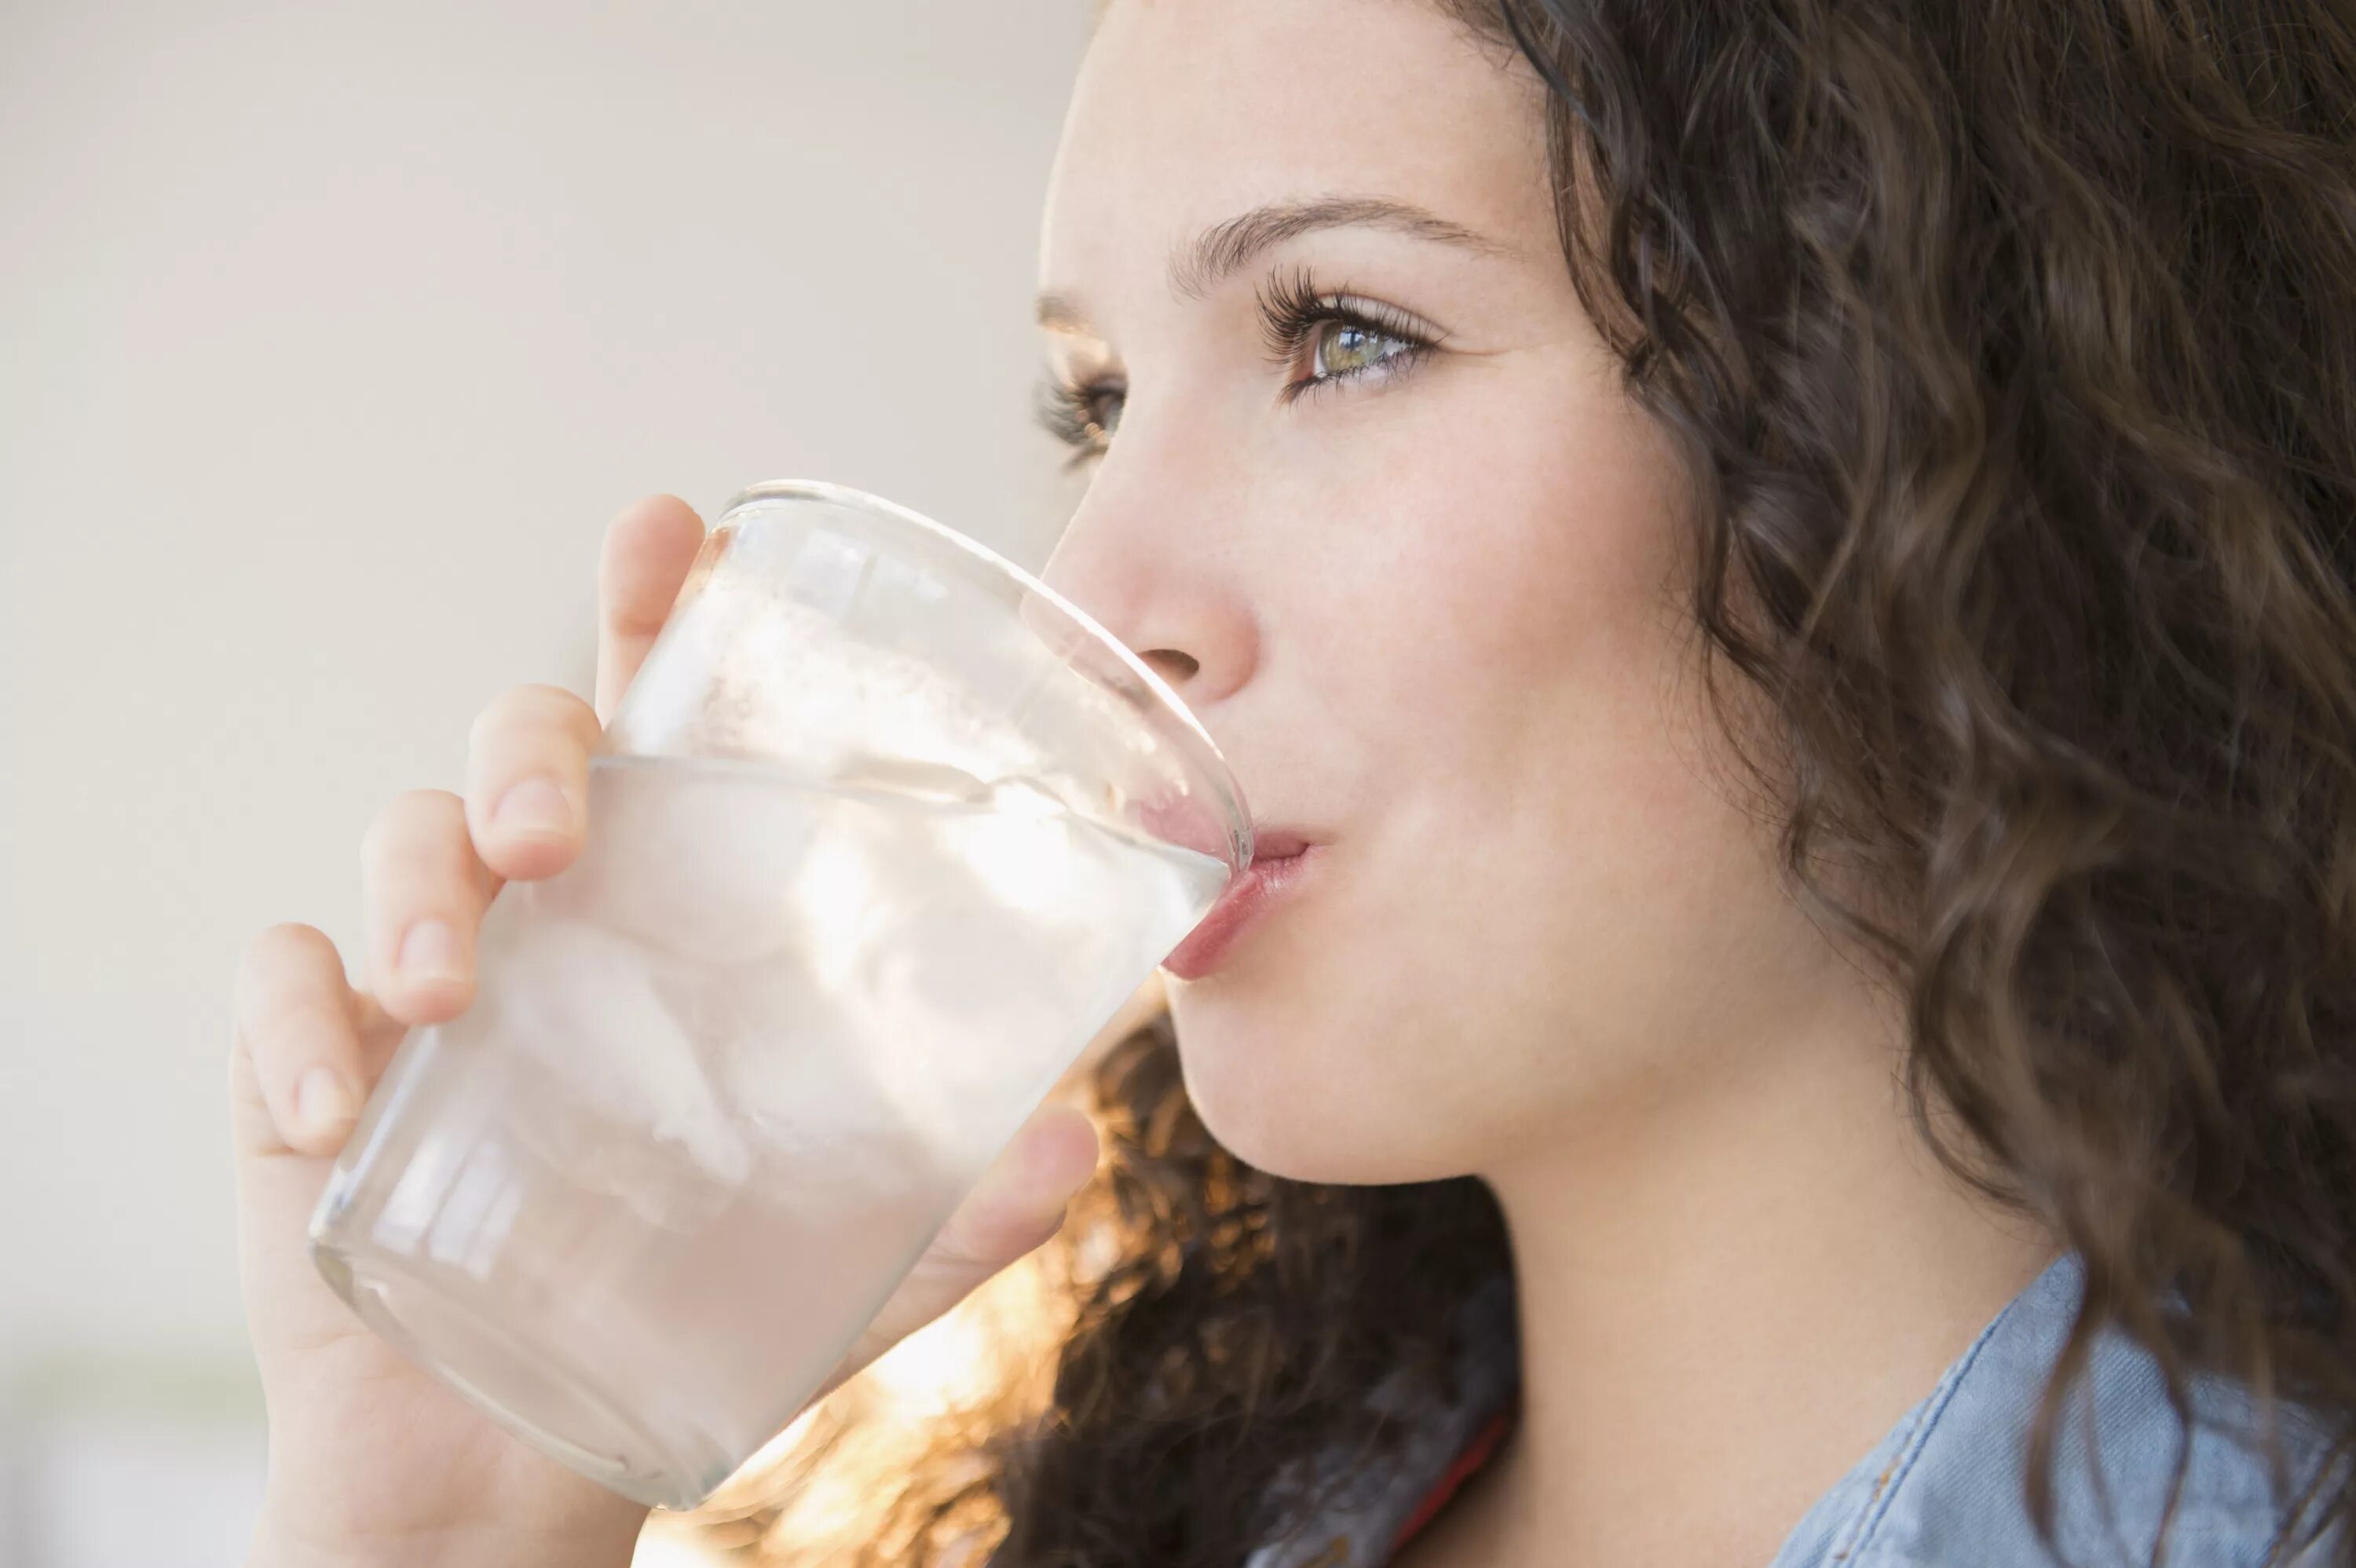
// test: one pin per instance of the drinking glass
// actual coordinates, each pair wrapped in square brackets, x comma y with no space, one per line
[883,833]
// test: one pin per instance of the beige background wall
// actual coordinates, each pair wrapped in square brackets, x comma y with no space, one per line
[329,336]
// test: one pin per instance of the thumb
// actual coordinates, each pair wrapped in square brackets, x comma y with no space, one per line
[1019,1203]
[1015,1207]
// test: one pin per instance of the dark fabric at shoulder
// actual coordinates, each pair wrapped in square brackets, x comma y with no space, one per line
[1367,1522]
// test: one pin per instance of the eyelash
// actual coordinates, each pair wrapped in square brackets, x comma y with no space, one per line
[1068,412]
[1291,311]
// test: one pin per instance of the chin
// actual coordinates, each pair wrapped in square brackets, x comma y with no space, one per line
[1296,1096]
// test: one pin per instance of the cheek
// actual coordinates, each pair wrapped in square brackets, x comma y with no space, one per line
[1558,809]
[1514,567]
[1547,880]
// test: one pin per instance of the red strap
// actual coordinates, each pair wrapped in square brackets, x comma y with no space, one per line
[1476,1454]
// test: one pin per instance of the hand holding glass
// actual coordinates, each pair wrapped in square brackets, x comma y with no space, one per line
[881,834]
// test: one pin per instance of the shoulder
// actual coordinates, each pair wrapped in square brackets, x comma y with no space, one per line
[1945,1487]
[1447,1438]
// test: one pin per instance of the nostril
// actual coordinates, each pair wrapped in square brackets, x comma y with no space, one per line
[1172,665]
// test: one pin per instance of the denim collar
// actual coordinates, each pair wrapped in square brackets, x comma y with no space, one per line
[1945,1487]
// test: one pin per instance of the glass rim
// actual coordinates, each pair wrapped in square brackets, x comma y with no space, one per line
[1218,773]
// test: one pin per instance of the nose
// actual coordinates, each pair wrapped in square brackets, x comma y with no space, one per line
[1169,588]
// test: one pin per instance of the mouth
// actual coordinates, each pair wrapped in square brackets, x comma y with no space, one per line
[1282,859]
[1271,844]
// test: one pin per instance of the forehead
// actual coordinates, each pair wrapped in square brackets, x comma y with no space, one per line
[1188,112]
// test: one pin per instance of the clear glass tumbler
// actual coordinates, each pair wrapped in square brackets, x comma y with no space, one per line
[883,833]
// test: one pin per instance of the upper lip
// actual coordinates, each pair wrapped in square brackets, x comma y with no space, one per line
[1272,841]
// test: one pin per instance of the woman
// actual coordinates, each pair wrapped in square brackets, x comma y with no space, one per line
[1792,564]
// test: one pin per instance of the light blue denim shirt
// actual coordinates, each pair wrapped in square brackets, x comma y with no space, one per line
[1942,1490]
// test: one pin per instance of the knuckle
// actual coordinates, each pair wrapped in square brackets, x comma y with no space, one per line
[532,709]
[410,823]
[954,1258]
[274,958]
[976,1245]
[418,830]
[554,700]
[383,829]
[494,718]
[255,961]
[290,975]
[292,1034]
[273,945]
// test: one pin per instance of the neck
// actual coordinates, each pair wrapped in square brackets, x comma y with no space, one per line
[1727,1296]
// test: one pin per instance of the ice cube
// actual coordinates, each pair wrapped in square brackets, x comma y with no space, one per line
[912,779]
[693,859]
[586,1003]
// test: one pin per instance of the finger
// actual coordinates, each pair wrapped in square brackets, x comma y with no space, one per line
[527,781]
[646,554]
[423,891]
[1020,1200]
[1017,1205]
[306,1047]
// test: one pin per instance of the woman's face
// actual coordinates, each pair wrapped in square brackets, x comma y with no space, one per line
[1419,572]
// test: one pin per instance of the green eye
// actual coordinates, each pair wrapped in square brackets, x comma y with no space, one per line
[1347,347]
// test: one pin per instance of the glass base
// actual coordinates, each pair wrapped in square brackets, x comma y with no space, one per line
[548,1400]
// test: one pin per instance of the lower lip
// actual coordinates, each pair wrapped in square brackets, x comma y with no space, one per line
[1267,884]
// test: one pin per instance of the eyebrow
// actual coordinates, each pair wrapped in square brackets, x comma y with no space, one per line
[1221,250]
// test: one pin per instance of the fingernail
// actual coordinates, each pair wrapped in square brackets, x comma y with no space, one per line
[535,807]
[323,1103]
[430,953]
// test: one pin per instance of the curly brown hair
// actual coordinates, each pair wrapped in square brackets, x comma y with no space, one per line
[2011,349]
